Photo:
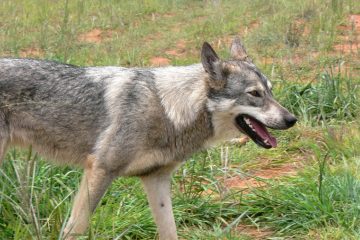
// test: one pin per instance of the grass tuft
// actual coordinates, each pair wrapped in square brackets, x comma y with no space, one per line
[332,96]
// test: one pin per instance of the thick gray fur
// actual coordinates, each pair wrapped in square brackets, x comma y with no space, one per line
[116,121]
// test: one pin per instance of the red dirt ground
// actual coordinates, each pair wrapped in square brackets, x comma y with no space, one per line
[31,52]
[253,232]
[159,61]
[349,44]
[350,39]
[95,35]
[179,51]
[238,182]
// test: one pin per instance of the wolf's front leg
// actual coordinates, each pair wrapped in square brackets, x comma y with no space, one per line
[93,186]
[157,187]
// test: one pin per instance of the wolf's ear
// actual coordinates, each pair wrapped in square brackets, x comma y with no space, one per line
[209,59]
[237,50]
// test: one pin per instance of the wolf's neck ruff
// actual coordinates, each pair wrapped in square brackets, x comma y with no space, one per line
[182,91]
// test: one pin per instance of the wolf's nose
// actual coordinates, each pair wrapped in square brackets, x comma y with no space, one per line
[290,121]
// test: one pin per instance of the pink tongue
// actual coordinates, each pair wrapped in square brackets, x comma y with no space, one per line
[262,132]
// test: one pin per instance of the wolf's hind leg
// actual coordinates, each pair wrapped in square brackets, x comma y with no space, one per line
[93,185]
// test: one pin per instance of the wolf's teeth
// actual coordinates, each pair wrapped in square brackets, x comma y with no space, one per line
[266,141]
[249,123]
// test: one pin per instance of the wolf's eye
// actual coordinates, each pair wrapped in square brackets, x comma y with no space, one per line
[254,93]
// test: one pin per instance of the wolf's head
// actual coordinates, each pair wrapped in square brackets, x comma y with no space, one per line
[238,91]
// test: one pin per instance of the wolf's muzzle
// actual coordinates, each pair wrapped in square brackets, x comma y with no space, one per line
[290,121]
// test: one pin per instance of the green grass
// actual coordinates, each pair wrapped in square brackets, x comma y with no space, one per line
[331,97]
[291,41]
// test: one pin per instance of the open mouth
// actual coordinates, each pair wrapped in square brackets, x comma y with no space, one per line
[256,131]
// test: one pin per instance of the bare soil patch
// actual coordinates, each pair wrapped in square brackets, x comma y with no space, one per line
[159,61]
[95,35]
[239,182]
[173,52]
[349,45]
[350,36]
[224,42]
[179,50]
[354,19]
[251,27]
[31,52]
[253,232]
[303,26]
[159,16]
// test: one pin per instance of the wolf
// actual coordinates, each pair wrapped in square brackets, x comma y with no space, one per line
[144,122]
